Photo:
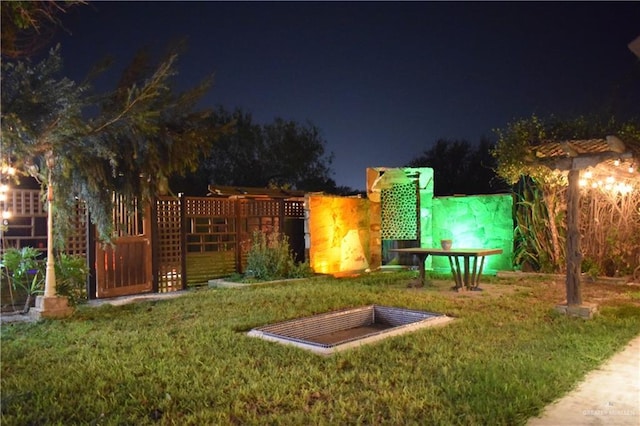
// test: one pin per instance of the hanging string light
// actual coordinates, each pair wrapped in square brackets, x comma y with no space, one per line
[610,180]
[6,174]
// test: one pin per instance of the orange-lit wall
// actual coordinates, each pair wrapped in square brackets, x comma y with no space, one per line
[343,234]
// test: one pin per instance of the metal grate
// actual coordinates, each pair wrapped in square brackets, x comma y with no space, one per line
[374,319]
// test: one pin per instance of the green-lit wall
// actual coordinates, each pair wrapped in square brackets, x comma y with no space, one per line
[475,221]
[426,208]
[426,204]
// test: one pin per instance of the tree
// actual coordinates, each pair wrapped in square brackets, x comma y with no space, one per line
[236,159]
[28,26]
[459,169]
[295,156]
[141,134]
[538,223]
[282,154]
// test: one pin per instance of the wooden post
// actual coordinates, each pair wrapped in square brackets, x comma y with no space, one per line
[240,224]
[574,255]
[92,242]
[184,229]
[154,238]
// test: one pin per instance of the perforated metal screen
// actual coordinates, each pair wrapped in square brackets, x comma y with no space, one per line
[399,212]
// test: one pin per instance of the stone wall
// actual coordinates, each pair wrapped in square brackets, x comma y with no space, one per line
[343,233]
[475,221]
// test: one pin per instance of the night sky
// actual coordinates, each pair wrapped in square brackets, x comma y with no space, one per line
[383,81]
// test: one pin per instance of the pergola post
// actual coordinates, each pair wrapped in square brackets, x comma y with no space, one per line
[574,255]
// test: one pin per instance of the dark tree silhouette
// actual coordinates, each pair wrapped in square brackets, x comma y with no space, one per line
[460,169]
[283,154]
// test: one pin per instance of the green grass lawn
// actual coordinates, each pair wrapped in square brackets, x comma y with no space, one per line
[187,360]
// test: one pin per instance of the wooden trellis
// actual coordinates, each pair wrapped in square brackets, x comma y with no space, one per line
[217,231]
[168,244]
[27,225]
[574,157]
[175,242]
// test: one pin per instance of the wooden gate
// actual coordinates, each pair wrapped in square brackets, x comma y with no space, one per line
[125,267]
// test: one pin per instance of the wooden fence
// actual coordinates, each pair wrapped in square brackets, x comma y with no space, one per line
[174,243]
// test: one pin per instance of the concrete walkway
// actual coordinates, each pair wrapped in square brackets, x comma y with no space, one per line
[609,395]
[122,300]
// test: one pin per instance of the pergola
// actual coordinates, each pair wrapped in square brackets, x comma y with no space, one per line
[608,163]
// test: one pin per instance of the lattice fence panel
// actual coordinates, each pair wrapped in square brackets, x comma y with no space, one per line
[26,202]
[77,244]
[27,225]
[208,207]
[169,244]
[127,217]
[294,209]
[260,208]
[211,238]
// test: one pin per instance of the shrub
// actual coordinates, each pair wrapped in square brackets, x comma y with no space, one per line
[71,278]
[270,257]
[24,271]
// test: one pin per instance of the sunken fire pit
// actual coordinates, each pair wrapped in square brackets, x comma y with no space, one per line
[335,331]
